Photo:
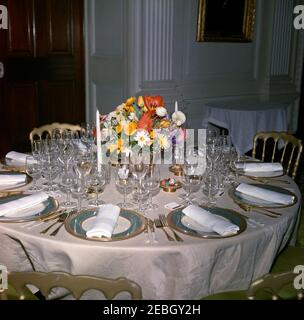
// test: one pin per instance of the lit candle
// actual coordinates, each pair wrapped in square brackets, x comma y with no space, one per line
[98,141]
[176,106]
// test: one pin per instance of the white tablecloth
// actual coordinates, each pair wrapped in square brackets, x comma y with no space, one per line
[244,119]
[167,270]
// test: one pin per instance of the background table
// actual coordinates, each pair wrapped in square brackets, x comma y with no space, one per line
[243,119]
[167,270]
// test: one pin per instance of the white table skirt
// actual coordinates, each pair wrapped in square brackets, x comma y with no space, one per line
[167,270]
[243,119]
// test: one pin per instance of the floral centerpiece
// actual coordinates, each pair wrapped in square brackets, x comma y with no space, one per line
[141,123]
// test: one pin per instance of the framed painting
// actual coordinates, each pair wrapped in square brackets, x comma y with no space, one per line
[225,20]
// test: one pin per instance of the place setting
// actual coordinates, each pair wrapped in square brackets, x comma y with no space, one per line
[27,207]
[261,198]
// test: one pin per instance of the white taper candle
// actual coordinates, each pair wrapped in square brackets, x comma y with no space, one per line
[176,106]
[98,141]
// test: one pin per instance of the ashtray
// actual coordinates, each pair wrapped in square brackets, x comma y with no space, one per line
[177,169]
[170,185]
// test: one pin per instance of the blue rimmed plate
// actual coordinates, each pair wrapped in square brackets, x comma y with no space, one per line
[27,181]
[241,198]
[182,223]
[41,211]
[129,225]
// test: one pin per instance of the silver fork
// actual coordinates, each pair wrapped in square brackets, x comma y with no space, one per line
[158,224]
[62,223]
[152,230]
[165,224]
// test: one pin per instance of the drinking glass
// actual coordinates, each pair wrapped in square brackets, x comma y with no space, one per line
[96,182]
[190,183]
[151,183]
[210,188]
[33,169]
[124,184]
[67,182]
[77,190]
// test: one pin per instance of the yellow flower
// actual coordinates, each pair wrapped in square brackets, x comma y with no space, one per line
[152,134]
[117,146]
[165,123]
[130,128]
[118,128]
[140,101]
[130,101]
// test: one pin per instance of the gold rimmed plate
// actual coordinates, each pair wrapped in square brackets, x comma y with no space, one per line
[28,180]
[7,165]
[243,199]
[41,211]
[182,223]
[259,174]
[129,225]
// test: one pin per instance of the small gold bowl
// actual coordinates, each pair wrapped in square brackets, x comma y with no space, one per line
[170,188]
[177,169]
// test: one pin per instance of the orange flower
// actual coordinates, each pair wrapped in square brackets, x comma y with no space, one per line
[118,128]
[130,101]
[155,102]
[145,122]
[165,123]
[130,128]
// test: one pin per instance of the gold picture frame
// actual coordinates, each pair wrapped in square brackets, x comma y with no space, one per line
[225,20]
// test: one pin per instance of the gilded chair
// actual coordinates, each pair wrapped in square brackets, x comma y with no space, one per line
[289,156]
[50,128]
[76,284]
[274,286]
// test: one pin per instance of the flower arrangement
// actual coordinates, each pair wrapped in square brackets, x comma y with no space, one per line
[141,123]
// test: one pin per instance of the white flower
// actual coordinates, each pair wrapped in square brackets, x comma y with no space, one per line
[142,138]
[132,116]
[163,141]
[161,111]
[178,118]
[120,107]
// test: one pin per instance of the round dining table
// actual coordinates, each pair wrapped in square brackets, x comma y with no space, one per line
[191,269]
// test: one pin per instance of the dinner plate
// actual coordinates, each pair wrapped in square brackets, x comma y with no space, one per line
[259,174]
[180,222]
[6,164]
[241,198]
[28,180]
[37,212]
[129,225]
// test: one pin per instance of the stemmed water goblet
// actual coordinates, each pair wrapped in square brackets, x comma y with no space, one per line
[124,183]
[210,188]
[67,182]
[151,183]
[78,190]
[96,182]
[33,169]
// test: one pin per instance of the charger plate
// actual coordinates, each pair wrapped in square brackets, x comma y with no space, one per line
[182,223]
[129,225]
[27,181]
[43,210]
[260,174]
[8,166]
[240,198]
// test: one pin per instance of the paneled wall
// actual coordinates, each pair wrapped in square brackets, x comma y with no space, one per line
[148,47]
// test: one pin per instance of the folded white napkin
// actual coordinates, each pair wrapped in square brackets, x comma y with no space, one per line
[14,207]
[8,180]
[263,194]
[259,166]
[105,221]
[211,221]
[17,158]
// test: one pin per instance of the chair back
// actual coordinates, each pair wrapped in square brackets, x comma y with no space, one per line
[273,284]
[290,157]
[76,284]
[50,128]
